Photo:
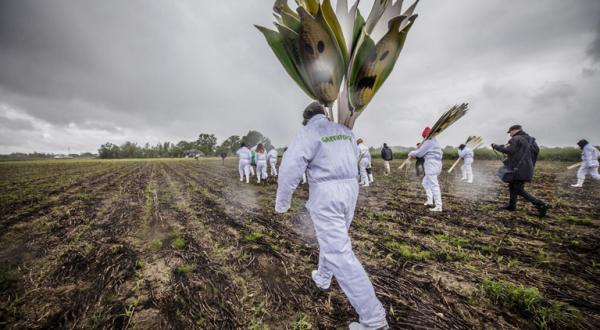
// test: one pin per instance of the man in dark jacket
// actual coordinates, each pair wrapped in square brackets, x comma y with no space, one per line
[522,152]
[387,156]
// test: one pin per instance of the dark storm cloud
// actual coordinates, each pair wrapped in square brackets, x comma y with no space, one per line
[154,70]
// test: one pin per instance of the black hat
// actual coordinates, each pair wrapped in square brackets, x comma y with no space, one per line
[515,127]
[582,143]
[462,146]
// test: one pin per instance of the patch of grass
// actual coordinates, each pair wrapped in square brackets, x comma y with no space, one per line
[8,278]
[543,258]
[254,236]
[529,302]
[408,252]
[454,241]
[184,269]
[576,220]
[178,243]
[302,323]
[155,245]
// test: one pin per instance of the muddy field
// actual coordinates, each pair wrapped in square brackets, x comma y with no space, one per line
[183,244]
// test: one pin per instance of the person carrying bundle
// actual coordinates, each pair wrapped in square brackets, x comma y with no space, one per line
[387,155]
[589,163]
[272,158]
[328,151]
[431,151]
[467,155]
[522,152]
[364,163]
[261,163]
[244,163]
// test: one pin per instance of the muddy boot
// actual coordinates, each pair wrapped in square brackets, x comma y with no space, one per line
[579,184]
[510,208]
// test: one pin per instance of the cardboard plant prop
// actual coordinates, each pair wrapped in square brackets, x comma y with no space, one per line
[337,55]
[448,118]
[473,142]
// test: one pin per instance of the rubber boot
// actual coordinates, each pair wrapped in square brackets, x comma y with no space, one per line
[371,178]
[364,181]
[579,183]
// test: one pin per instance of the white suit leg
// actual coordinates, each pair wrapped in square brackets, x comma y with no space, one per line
[594,173]
[364,178]
[581,174]
[428,191]
[463,170]
[469,173]
[241,170]
[434,186]
[331,207]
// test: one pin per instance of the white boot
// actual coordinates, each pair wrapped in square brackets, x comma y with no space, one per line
[437,208]
[371,178]
[247,178]
[360,326]
[579,183]
[241,178]
[365,181]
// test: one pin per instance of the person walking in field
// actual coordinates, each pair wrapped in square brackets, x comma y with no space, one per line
[364,162]
[328,151]
[261,163]
[522,152]
[467,155]
[272,158]
[419,163]
[244,163]
[387,155]
[431,151]
[589,163]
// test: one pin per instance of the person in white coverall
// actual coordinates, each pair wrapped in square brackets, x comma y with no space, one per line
[467,155]
[364,162]
[431,151]
[244,164]
[328,152]
[261,163]
[589,163]
[272,158]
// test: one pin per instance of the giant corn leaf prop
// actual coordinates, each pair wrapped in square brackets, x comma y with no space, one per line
[338,55]
[473,142]
[448,118]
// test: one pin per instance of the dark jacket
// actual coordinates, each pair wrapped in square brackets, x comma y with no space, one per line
[386,153]
[522,152]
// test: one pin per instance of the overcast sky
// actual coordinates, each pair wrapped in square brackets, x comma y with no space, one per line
[75,74]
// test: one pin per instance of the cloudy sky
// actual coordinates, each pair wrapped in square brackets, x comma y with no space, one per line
[75,74]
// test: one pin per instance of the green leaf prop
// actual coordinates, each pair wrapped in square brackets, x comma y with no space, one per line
[321,49]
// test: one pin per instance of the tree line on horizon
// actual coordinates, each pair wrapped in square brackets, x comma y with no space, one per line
[206,143]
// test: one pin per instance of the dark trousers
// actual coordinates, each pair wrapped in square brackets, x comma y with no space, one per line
[420,166]
[517,188]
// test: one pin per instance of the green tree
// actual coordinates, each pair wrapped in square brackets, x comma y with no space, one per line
[231,144]
[255,137]
[207,143]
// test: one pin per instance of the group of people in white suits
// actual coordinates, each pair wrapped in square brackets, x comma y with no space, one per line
[260,157]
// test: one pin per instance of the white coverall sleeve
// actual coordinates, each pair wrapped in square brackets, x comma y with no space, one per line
[423,149]
[293,166]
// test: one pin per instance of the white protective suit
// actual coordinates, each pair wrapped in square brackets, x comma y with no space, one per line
[432,152]
[244,164]
[272,158]
[328,152]
[261,166]
[467,171]
[589,164]
[364,161]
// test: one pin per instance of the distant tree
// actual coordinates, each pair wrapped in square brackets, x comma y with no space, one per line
[231,144]
[109,151]
[255,137]
[206,143]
